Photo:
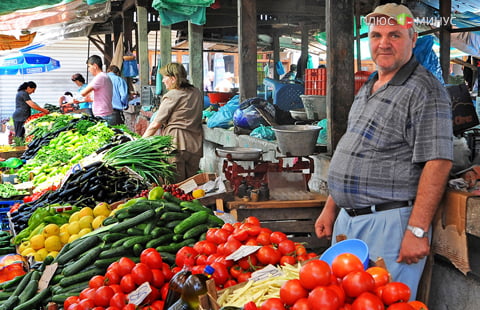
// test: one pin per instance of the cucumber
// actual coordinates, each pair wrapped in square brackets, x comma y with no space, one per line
[80,277]
[5,295]
[83,262]
[109,238]
[171,225]
[172,206]
[169,258]
[177,238]
[140,207]
[214,221]
[28,292]
[193,220]
[159,241]
[83,246]
[74,288]
[137,249]
[11,285]
[121,241]
[134,231]
[170,198]
[60,298]
[131,222]
[115,252]
[8,304]
[173,216]
[136,240]
[109,220]
[174,247]
[158,231]
[194,206]
[196,231]
[105,262]
[34,301]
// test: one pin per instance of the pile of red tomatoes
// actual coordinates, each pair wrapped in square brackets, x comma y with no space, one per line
[177,192]
[110,291]
[346,285]
[275,248]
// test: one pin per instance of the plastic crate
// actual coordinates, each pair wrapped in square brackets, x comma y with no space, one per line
[360,78]
[285,95]
[316,82]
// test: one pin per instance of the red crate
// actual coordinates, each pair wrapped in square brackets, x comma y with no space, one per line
[360,78]
[316,82]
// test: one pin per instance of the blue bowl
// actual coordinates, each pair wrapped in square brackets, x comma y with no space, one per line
[353,246]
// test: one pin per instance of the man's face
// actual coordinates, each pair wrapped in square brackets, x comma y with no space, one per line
[92,68]
[390,46]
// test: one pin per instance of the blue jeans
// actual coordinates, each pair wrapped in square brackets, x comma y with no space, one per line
[110,119]
[383,233]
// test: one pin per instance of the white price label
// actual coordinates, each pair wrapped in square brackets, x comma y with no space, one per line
[243,251]
[47,275]
[138,296]
[265,273]
[189,186]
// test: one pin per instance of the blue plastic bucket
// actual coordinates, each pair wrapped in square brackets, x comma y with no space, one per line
[353,246]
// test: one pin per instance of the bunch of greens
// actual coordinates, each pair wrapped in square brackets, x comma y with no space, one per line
[149,157]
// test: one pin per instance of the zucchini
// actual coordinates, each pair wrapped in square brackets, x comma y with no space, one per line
[28,292]
[214,221]
[83,262]
[85,245]
[173,216]
[115,252]
[196,231]
[109,238]
[131,222]
[193,220]
[136,240]
[80,277]
[34,301]
[159,241]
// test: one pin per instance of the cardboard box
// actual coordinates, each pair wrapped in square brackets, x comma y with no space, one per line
[199,179]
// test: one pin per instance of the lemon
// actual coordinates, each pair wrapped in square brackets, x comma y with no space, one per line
[86,221]
[23,246]
[53,243]
[74,217]
[51,230]
[64,236]
[198,193]
[73,228]
[64,227]
[73,238]
[85,211]
[37,242]
[84,231]
[97,222]
[28,251]
[40,255]
[101,209]
[53,254]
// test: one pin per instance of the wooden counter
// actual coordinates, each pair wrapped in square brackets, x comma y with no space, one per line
[296,218]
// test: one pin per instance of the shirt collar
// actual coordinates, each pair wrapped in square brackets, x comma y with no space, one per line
[404,73]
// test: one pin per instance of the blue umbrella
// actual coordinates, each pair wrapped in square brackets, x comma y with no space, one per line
[22,63]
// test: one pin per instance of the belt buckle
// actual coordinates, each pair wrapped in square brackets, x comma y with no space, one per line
[351,211]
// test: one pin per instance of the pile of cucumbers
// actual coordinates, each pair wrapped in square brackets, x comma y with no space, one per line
[166,224]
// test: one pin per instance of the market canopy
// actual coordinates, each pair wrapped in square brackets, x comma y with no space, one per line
[20,63]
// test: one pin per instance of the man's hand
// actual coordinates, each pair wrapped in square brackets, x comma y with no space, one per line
[413,249]
[324,222]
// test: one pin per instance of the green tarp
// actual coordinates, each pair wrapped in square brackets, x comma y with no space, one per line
[175,11]
[10,6]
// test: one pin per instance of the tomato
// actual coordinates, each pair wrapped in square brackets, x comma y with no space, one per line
[229,283]
[367,301]
[272,304]
[112,277]
[127,284]
[268,255]
[252,229]
[400,306]
[88,293]
[263,238]
[323,298]
[205,247]
[287,260]
[357,282]
[221,236]
[235,271]
[228,227]
[129,307]
[346,307]
[300,249]
[185,256]
[96,281]
[113,308]
[70,300]
[164,290]
[85,304]
[113,266]
[244,277]
[418,305]
[231,246]
[141,273]
[300,304]
[103,295]
[380,275]
[220,275]
[248,262]
[116,288]
[210,235]
[315,273]
[345,263]
[154,295]
[73,306]
[286,247]
[151,258]
[125,266]
[291,291]
[395,292]
[240,234]
[98,308]
[252,220]
[340,292]
[277,236]
[158,279]
[158,304]
[167,272]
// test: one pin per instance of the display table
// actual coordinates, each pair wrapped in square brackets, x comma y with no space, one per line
[296,218]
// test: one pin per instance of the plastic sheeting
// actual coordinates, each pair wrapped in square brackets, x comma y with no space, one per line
[175,11]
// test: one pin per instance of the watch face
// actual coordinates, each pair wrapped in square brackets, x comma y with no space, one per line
[417,231]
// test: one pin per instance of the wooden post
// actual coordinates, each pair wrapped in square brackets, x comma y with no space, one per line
[445,28]
[340,83]
[165,44]
[142,50]
[195,45]
[276,53]
[247,43]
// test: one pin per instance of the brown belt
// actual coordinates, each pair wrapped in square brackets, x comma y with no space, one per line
[380,207]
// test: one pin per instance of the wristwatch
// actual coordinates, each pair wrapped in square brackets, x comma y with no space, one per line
[417,231]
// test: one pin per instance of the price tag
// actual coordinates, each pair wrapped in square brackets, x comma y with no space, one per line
[266,272]
[138,296]
[47,276]
[73,169]
[189,186]
[243,251]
